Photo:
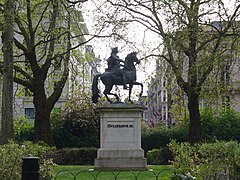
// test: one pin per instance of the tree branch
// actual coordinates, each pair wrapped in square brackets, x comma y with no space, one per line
[25,83]
[22,72]
[51,48]
[30,28]
[41,17]
[23,31]
[210,64]
[75,2]
[20,46]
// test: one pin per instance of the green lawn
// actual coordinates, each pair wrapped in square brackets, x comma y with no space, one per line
[88,173]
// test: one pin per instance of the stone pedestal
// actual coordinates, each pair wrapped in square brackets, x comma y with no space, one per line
[120,138]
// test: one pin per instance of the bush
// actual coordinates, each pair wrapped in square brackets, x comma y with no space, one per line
[219,160]
[154,138]
[155,141]
[74,156]
[11,155]
[159,156]
[77,125]
[221,126]
[216,126]
[23,129]
[153,156]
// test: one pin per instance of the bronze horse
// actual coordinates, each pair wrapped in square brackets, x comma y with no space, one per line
[109,79]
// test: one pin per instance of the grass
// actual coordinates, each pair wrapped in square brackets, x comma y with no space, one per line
[88,173]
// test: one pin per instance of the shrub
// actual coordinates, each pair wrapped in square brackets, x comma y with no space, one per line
[81,119]
[221,126]
[153,156]
[159,156]
[11,155]
[57,118]
[23,129]
[154,138]
[216,126]
[77,125]
[74,156]
[219,160]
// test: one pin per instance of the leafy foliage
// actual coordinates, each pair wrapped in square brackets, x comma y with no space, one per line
[81,117]
[11,155]
[159,156]
[213,160]
[23,129]
[74,156]
[224,125]
[78,124]
[68,133]
[160,136]
[221,126]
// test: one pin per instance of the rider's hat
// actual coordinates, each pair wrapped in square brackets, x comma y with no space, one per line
[115,49]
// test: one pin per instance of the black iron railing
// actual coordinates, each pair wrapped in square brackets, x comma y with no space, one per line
[111,175]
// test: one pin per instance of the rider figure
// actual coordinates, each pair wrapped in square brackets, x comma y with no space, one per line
[114,66]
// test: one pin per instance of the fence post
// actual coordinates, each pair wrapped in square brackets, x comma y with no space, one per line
[30,168]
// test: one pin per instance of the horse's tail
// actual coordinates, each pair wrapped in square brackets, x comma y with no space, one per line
[95,90]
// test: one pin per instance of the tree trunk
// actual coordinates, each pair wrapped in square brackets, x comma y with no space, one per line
[195,127]
[42,127]
[7,91]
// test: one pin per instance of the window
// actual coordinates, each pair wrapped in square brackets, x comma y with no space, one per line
[29,113]
[202,103]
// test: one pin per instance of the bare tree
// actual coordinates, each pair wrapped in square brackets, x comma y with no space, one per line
[189,35]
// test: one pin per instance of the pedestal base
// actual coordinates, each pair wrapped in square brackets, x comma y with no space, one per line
[120,139]
[120,159]
[120,164]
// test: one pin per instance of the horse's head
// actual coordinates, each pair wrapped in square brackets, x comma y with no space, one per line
[132,57]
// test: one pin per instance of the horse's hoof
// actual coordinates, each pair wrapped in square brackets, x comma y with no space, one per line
[125,87]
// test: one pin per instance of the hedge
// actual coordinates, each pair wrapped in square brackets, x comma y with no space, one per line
[74,156]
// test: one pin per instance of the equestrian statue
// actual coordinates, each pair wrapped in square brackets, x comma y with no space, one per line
[119,72]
